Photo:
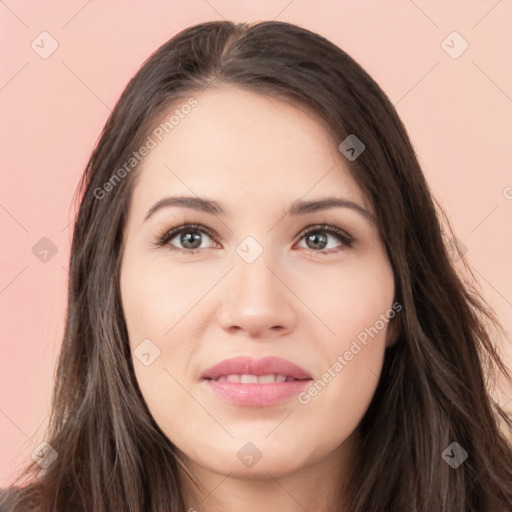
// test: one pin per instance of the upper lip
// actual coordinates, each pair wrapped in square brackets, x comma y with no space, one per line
[249,366]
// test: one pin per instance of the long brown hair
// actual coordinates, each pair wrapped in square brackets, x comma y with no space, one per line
[434,388]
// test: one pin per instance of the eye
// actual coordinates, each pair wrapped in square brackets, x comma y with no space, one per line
[317,238]
[189,236]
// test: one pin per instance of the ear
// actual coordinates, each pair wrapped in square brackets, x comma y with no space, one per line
[393,331]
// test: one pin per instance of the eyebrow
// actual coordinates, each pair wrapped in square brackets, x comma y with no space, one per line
[298,207]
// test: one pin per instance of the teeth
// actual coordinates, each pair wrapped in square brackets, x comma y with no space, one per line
[254,379]
[248,379]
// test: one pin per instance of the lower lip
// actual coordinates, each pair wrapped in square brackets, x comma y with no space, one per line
[256,395]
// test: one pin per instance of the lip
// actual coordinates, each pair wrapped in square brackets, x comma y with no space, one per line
[256,394]
[249,366]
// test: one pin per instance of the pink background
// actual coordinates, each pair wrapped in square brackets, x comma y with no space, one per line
[457,112]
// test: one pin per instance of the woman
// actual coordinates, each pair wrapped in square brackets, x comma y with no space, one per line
[263,313]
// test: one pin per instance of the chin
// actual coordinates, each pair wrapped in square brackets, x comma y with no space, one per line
[258,458]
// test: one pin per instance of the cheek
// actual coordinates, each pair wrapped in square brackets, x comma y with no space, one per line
[155,298]
[348,299]
[356,306]
[338,398]
[156,301]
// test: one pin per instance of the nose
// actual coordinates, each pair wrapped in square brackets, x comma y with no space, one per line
[257,300]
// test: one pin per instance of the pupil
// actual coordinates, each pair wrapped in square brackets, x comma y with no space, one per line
[188,238]
[314,238]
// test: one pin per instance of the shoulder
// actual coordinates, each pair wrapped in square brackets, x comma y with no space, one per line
[10,500]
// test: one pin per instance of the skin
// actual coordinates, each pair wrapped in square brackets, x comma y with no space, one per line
[302,302]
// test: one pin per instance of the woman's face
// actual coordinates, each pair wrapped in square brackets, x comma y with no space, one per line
[261,282]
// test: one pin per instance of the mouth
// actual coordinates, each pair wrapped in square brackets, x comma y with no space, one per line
[249,382]
[255,379]
[247,370]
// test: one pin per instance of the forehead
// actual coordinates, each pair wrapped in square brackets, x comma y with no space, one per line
[251,146]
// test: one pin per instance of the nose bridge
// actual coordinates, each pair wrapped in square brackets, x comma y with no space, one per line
[253,278]
[256,300]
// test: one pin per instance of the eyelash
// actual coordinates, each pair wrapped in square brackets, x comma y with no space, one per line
[167,235]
